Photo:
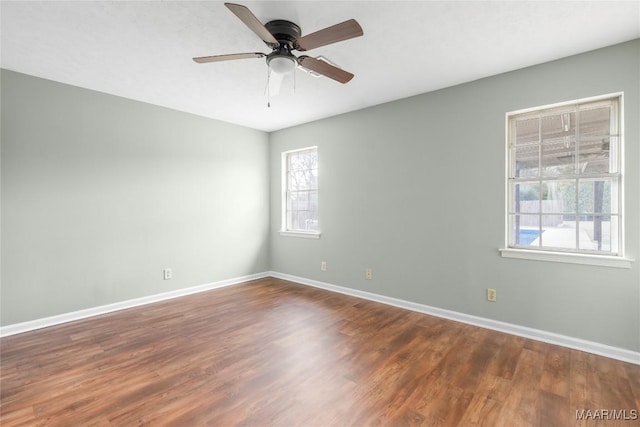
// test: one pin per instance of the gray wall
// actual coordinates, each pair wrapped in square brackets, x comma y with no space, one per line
[100,193]
[414,189]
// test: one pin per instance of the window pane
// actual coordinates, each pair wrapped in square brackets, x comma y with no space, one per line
[302,199]
[551,220]
[307,159]
[558,233]
[297,161]
[595,196]
[289,201]
[594,155]
[556,127]
[526,161]
[525,230]
[527,197]
[558,144]
[558,157]
[291,181]
[296,180]
[594,142]
[313,201]
[595,122]
[302,180]
[295,201]
[294,161]
[310,179]
[527,131]
[559,196]
[595,233]
[308,221]
[291,216]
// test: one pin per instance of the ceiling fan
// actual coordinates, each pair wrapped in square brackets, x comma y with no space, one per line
[283,37]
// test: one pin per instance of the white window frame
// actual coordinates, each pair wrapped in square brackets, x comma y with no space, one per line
[284,231]
[568,256]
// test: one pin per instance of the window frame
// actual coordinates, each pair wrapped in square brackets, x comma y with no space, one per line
[284,231]
[575,256]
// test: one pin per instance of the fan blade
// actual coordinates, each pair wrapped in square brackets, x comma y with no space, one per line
[344,31]
[253,23]
[325,69]
[218,58]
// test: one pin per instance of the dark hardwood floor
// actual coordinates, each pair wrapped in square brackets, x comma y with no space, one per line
[270,352]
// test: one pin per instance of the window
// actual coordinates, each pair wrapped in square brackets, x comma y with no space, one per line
[564,178]
[300,188]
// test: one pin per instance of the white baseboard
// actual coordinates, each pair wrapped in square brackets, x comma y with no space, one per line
[522,331]
[31,325]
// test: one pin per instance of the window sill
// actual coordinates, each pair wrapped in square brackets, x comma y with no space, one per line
[303,234]
[569,258]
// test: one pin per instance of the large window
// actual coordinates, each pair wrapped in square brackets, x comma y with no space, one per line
[564,177]
[300,192]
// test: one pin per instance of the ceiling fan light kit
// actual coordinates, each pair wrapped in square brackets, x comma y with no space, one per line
[283,36]
[280,64]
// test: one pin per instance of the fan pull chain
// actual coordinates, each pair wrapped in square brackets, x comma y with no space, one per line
[268,88]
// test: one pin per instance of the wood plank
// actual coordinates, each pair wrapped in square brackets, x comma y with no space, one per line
[555,373]
[579,392]
[521,406]
[486,405]
[633,374]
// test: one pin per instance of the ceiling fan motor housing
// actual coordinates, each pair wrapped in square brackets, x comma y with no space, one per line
[286,32]
[281,60]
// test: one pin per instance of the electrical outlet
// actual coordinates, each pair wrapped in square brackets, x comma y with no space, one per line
[167,273]
[323,266]
[368,274]
[491,295]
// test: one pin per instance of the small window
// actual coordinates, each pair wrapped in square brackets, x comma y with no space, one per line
[564,178]
[300,188]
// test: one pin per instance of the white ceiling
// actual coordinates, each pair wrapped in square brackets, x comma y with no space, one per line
[143,50]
